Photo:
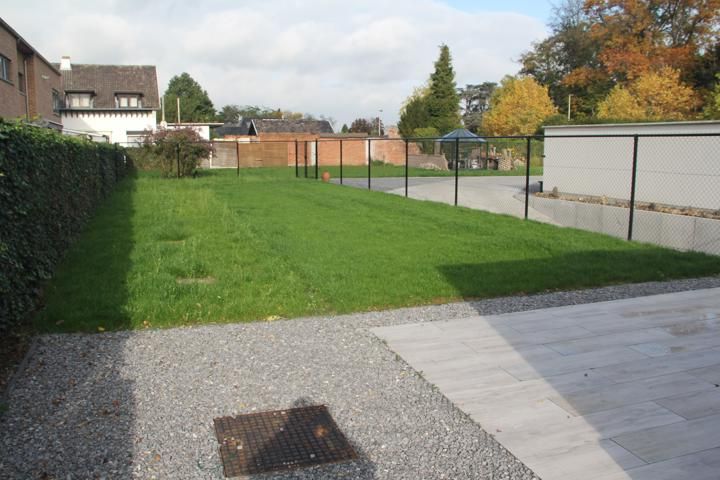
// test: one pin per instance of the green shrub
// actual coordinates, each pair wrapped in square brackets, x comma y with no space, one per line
[143,158]
[180,149]
[49,186]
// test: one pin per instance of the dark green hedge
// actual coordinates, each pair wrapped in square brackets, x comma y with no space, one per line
[50,185]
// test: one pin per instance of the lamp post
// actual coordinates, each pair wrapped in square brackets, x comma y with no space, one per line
[378,122]
[569,98]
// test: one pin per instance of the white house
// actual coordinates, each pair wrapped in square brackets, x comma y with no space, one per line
[202,128]
[118,102]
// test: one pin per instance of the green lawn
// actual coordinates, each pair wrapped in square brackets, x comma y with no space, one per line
[267,245]
[387,170]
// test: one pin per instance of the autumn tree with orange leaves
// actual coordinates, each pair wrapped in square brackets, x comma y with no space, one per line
[651,96]
[600,45]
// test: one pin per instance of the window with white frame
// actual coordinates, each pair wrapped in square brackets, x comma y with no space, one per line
[128,101]
[80,100]
[4,68]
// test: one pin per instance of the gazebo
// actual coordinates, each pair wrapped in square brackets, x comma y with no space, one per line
[460,135]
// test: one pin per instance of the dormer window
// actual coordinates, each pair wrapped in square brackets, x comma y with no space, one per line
[128,101]
[79,100]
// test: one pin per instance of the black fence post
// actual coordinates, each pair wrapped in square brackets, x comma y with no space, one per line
[369,163]
[341,153]
[297,172]
[457,167]
[317,159]
[406,168]
[632,188]
[305,158]
[177,155]
[527,177]
[237,153]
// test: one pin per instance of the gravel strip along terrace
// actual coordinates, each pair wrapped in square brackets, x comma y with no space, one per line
[141,404]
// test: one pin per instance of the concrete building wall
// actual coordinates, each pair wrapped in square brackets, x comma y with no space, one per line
[682,170]
[680,232]
[114,125]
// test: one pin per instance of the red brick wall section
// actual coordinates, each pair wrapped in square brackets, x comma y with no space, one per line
[46,80]
[41,80]
[392,150]
[354,150]
[12,102]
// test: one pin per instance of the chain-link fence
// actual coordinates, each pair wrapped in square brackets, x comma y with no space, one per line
[656,188]
[662,188]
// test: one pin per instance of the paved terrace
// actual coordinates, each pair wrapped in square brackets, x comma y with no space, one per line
[626,389]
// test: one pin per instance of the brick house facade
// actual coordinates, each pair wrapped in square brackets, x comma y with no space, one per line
[30,86]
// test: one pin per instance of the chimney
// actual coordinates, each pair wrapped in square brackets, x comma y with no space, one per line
[65,63]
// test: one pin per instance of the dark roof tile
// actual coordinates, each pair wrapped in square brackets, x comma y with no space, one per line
[273,125]
[107,80]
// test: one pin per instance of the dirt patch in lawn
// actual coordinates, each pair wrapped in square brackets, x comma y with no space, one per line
[192,281]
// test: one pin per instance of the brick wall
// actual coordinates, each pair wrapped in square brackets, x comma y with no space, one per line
[40,77]
[43,81]
[12,102]
[354,150]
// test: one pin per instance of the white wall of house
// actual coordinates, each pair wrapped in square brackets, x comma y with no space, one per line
[202,129]
[682,171]
[114,124]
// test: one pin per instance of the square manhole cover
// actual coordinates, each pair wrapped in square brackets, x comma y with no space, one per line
[280,440]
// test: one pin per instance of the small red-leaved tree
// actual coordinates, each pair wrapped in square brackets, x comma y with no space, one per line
[181,147]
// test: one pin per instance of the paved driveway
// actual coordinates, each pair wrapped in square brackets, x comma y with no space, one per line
[493,194]
[626,389]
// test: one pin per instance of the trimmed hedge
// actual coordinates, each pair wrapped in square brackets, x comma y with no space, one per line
[50,185]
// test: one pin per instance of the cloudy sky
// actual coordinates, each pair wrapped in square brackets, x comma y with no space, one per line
[344,59]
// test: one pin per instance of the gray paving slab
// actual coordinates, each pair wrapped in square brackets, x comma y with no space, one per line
[664,365]
[703,465]
[711,373]
[674,440]
[626,389]
[601,342]
[555,438]
[695,404]
[603,398]
[581,461]
[571,363]
[685,343]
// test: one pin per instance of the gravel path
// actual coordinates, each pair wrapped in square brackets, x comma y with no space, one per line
[141,404]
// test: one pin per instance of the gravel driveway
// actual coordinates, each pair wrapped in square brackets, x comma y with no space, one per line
[141,404]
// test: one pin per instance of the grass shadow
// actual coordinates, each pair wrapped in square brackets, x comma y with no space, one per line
[92,279]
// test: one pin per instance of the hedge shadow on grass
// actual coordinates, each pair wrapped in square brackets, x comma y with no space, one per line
[580,270]
[105,249]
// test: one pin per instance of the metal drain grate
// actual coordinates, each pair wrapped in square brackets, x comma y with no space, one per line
[280,440]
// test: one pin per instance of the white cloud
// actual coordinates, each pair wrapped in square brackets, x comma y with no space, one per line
[343,59]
